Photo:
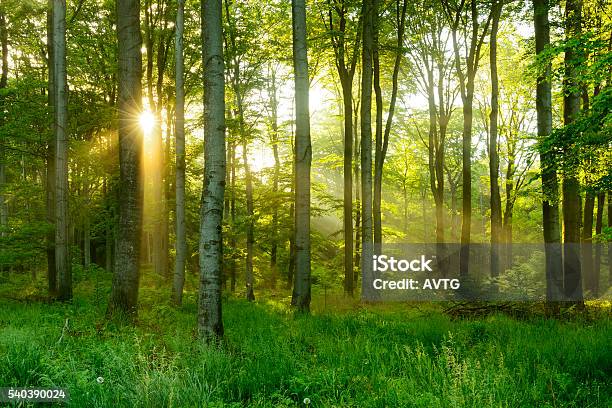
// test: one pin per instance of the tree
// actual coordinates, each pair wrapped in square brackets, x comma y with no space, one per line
[346,72]
[303,158]
[124,293]
[62,259]
[433,65]
[572,280]
[179,130]
[369,8]
[550,184]
[50,160]
[210,323]
[455,13]
[3,84]
[496,216]
[382,139]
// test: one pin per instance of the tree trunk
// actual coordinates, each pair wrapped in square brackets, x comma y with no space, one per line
[62,260]
[550,185]
[124,295]
[233,217]
[572,282]
[609,243]
[496,216]
[250,236]
[210,323]
[369,9]
[179,130]
[383,144]
[378,132]
[347,97]
[303,158]
[277,166]
[601,199]
[466,85]
[590,285]
[3,84]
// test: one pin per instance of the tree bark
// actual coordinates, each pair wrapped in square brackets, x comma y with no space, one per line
[601,199]
[590,285]
[179,130]
[496,216]
[277,167]
[250,236]
[62,260]
[3,84]
[369,9]
[572,282]
[124,294]
[303,158]
[381,154]
[346,73]
[550,185]
[210,323]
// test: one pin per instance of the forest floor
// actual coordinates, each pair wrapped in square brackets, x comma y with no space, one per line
[345,354]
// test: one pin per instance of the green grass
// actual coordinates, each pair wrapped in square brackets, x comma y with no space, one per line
[367,356]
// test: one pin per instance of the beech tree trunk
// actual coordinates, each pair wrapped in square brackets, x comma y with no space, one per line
[124,294]
[381,148]
[550,184]
[3,84]
[62,260]
[572,282]
[466,86]
[250,236]
[587,243]
[601,199]
[346,73]
[179,130]
[210,323]
[496,215]
[303,158]
[369,8]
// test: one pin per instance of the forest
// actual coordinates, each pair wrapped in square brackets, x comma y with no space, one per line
[202,203]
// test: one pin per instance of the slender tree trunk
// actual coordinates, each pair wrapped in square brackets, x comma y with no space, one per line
[496,216]
[550,185]
[3,84]
[378,131]
[210,323]
[466,85]
[179,130]
[276,177]
[108,233]
[233,217]
[590,285]
[62,260]
[347,97]
[124,294]
[303,157]
[610,242]
[357,178]
[382,139]
[572,282]
[369,9]
[250,236]
[346,73]
[601,199]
